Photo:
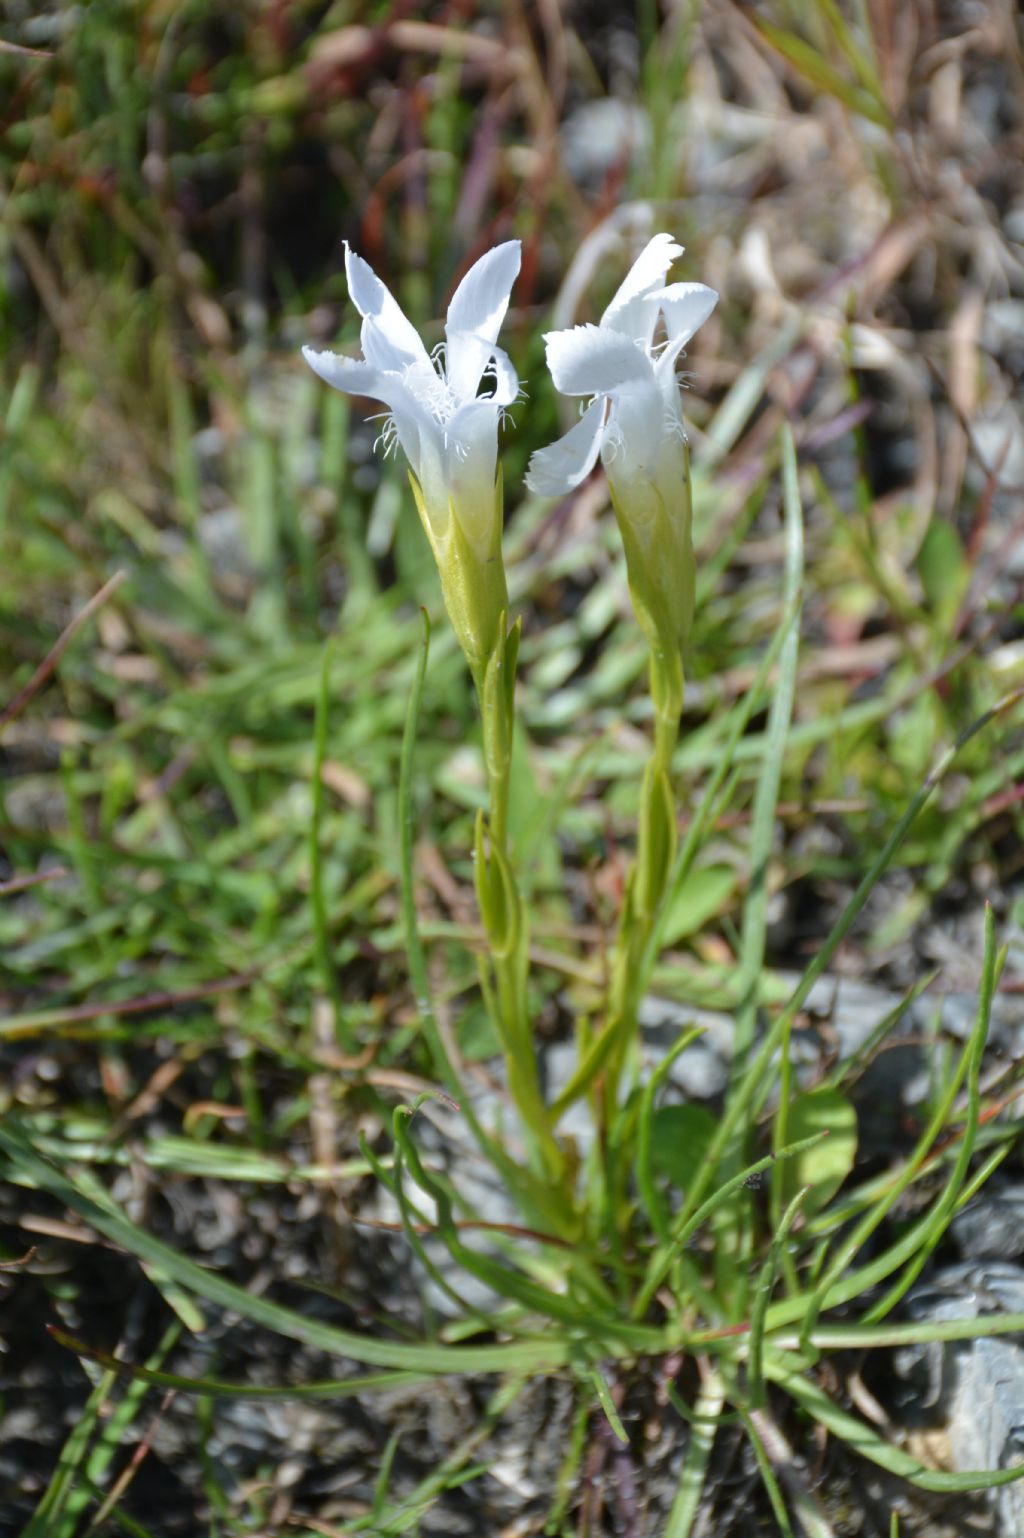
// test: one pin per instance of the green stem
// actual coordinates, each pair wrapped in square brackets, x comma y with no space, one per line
[667,691]
[649,878]
[497,796]
[504,916]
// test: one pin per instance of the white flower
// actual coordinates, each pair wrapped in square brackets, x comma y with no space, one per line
[447,430]
[634,420]
[635,423]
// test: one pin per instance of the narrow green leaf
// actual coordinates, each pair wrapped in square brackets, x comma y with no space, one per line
[50,1519]
[745,394]
[318,902]
[820,74]
[864,1439]
[758,1081]
[220,1388]
[604,1395]
[650,1196]
[860,56]
[943,1209]
[105,1218]
[768,1479]
[762,1297]
[688,1222]
[703,1429]
[733,1240]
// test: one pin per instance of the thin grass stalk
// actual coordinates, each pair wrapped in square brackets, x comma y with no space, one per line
[703,1430]
[318,902]
[970,1060]
[735,1235]
[946,1205]
[755,1087]
[865,1441]
[773,1489]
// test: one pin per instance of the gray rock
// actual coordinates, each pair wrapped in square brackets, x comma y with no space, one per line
[975,1387]
[991,1227]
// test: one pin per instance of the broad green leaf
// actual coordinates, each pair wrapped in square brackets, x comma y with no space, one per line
[477,1033]
[703,895]
[943,571]
[825,1167]
[680,1135]
[914,734]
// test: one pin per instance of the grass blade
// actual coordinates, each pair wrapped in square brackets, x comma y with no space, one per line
[318,903]
[863,1439]
[703,1429]
[96,1209]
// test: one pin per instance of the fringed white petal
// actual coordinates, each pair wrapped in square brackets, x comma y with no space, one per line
[590,360]
[506,380]
[685,306]
[477,356]
[418,433]
[630,312]
[636,431]
[375,303]
[556,470]
[350,375]
[477,310]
